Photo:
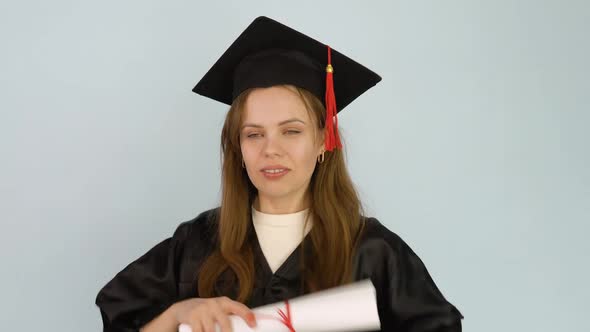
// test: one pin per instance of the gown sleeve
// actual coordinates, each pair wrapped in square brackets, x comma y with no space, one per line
[145,288]
[408,300]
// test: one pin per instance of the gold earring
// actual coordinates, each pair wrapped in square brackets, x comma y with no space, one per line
[321,157]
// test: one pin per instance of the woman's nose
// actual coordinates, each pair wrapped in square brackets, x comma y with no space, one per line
[272,145]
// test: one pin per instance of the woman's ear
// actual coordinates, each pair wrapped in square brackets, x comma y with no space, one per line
[321,140]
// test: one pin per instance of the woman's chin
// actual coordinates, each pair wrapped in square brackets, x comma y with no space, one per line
[274,192]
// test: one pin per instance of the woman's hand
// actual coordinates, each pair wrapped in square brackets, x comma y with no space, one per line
[203,314]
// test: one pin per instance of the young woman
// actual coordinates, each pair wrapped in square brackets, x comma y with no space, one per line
[290,221]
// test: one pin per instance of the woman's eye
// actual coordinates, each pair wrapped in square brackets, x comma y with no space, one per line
[292,132]
[253,135]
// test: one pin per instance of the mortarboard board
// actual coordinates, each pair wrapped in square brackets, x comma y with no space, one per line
[269,53]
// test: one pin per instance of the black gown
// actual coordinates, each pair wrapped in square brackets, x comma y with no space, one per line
[407,298]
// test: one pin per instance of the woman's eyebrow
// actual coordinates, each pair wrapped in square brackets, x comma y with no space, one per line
[280,123]
[291,120]
[251,125]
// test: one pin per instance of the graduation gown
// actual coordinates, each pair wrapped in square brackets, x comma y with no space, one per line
[407,298]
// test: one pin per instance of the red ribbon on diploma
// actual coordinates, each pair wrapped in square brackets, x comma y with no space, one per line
[285,317]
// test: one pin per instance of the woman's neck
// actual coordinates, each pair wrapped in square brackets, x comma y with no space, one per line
[280,206]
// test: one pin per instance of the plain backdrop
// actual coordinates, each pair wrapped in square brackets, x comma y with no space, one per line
[473,148]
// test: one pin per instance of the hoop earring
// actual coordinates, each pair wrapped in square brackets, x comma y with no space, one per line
[321,158]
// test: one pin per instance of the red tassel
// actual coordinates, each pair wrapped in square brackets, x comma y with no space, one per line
[332,137]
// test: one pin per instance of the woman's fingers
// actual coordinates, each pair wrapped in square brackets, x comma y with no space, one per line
[196,326]
[208,322]
[203,315]
[238,309]
[222,319]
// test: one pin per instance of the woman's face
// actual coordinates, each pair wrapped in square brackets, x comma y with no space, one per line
[279,142]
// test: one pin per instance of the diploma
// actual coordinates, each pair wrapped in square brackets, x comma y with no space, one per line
[347,308]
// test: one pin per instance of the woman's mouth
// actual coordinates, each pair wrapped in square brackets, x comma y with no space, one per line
[274,173]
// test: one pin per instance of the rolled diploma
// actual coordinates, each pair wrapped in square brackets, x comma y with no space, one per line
[347,308]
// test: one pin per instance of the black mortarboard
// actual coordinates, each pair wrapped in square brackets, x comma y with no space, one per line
[269,53]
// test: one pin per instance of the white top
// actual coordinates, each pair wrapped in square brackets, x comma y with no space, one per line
[279,234]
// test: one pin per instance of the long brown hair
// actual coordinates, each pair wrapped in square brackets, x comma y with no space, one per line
[335,209]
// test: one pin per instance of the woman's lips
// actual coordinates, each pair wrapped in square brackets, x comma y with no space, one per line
[274,173]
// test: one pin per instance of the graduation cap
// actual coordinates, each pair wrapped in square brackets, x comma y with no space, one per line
[269,53]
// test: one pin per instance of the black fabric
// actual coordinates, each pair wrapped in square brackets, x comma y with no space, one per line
[276,67]
[407,298]
[290,57]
